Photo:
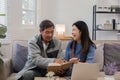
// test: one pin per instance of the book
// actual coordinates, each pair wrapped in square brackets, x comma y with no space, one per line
[56,66]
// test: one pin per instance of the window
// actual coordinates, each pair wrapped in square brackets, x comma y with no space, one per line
[28,12]
[3,16]
[3,12]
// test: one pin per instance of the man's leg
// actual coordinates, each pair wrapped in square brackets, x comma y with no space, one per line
[30,75]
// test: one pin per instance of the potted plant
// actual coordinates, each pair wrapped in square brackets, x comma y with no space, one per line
[3,30]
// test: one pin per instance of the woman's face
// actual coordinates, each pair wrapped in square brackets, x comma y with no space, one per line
[76,33]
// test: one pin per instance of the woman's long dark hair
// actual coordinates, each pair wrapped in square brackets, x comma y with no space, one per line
[86,42]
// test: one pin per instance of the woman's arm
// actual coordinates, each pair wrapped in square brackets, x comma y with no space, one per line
[67,53]
[90,56]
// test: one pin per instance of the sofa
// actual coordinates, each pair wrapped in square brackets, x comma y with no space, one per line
[10,58]
[11,66]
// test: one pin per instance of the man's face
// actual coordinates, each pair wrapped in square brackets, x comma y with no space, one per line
[47,34]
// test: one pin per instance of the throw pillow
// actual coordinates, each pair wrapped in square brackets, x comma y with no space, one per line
[98,58]
[112,54]
[19,57]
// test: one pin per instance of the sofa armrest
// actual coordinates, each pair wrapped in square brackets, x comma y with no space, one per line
[7,67]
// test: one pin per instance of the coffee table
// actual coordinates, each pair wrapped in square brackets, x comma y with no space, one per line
[101,77]
[45,78]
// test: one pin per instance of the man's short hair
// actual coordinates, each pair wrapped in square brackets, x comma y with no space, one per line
[46,24]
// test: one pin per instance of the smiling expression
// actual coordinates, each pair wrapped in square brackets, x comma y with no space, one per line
[47,34]
[76,33]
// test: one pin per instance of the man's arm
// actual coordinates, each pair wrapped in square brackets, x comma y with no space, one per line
[34,54]
[61,52]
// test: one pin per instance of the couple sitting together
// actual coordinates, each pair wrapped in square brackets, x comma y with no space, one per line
[45,49]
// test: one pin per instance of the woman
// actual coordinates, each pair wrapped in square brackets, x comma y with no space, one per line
[81,48]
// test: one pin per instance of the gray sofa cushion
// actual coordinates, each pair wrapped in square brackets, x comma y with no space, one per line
[112,54]
[20,57]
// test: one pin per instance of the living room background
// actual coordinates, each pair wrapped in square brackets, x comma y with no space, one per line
[59,11]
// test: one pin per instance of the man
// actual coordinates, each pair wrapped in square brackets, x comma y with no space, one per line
[43,49]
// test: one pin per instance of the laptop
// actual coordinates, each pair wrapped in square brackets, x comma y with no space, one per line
[85,71]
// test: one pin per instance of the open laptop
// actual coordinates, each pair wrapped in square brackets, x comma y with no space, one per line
[85,71]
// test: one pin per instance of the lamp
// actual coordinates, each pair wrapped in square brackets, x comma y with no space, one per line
[60,30]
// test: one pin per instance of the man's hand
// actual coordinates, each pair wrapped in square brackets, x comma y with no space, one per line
[60,72]
[74,60]
[60,61]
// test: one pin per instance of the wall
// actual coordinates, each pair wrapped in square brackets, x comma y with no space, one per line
[59,11]
[67,12]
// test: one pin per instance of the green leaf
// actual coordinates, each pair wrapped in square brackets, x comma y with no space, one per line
[2,14]
[0,44]
[3,29]
[2,36]
[1,63]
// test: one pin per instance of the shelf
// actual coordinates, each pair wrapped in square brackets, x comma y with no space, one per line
[107,12]
[95,29]
[106,30]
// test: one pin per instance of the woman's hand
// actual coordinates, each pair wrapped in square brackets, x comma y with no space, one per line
[74,60]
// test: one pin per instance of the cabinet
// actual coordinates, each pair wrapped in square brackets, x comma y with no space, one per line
[95,29]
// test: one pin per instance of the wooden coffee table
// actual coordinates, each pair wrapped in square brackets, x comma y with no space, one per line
[45,78]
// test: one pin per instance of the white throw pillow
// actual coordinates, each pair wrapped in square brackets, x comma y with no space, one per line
[99,58]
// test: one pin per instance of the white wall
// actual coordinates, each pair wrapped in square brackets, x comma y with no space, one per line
[59,11]
[67,12]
